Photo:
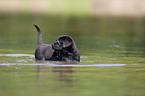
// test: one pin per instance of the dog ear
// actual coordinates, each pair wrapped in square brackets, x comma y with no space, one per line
[66,40]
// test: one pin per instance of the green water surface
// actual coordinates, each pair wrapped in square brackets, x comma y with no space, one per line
[101,40]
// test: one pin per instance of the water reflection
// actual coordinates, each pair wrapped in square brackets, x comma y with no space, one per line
[62,76]
[65,74]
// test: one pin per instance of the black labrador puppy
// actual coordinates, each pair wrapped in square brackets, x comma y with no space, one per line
[47,51]
[69,52]
[64,49]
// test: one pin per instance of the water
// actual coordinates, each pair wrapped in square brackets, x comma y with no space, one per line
[53,63]
[21,75]
[112,57]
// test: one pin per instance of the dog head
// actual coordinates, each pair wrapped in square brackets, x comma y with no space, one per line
[57,45]
[65,40]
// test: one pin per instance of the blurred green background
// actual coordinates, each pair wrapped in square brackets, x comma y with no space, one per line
[103,26]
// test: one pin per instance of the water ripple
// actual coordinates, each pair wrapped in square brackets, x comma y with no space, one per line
[17,55]
[66,65]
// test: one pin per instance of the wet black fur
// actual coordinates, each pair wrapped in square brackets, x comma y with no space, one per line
[45,51]
[69,52]
[64,49]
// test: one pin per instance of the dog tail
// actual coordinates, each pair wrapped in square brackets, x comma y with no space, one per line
[40,42]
